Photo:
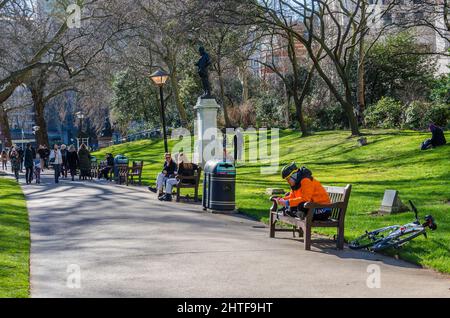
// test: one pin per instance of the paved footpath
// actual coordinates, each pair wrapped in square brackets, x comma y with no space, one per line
[126,243]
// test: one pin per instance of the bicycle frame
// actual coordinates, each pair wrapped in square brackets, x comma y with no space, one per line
[405,229]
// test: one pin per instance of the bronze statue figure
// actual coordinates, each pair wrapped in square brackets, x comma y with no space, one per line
[203,63]
[106,131]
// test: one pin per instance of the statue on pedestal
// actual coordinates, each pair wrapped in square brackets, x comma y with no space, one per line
[106,131]
[203,63]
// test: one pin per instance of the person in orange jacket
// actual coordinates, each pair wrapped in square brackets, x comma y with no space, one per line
[305,188]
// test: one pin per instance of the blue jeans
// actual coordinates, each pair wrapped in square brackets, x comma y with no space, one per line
[57,172]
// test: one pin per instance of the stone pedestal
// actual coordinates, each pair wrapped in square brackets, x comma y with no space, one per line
[104,142]
[205,127]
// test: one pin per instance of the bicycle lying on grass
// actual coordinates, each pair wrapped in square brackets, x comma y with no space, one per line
[394,236]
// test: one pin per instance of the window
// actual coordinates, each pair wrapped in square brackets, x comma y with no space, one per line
[418,15]
[387,18]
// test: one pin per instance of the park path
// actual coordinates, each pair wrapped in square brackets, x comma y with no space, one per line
[126,243]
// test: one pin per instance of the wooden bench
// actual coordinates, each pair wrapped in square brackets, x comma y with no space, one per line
[123,171]
[185,182]
[94,170]
[103,165]
[136,172]
[339,197]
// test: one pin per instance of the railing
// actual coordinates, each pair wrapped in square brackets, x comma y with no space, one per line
[145,134]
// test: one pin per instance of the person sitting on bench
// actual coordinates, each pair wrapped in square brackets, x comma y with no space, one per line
[168,172]
[185,169]
[437,138]
[305,189]
[109,161]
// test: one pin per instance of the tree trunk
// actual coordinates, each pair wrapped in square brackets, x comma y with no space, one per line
[346,102]
[37,94]
[361,92]
[361,99]
[222,97]
[176,93]
[4,126]
[287,117]
[298,100]
[299,112]
[244,83]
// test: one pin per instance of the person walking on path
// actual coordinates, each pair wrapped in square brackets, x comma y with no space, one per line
[37,168]
[46,156]
[15,163]
[41,152]
[64,161]
[4,158]
[21,155]
[56,160]
[84,159]
[72,161]
[28,163]
[13,148]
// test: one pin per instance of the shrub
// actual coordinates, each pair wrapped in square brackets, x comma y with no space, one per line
[418,115]
[439,114]
[328,117]
[387,113]
[415,115]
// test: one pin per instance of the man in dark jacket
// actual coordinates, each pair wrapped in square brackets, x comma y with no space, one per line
[46,156]
[168,172]
[28,162]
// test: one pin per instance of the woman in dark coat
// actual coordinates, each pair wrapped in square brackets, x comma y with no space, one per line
[437,139]
[15,163]
[72,161]
[84,158]
[28,164]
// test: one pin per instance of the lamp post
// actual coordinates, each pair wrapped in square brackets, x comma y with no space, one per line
[159,78]
[35,131]
[80,116]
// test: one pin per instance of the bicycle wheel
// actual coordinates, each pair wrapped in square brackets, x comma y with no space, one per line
[369,239]
[397,241]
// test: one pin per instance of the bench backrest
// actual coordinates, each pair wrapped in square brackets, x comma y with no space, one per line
[339,194]
[122,169]
[196,176]
[137,167]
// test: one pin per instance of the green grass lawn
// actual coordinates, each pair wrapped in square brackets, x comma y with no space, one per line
[14,241]
[392,160]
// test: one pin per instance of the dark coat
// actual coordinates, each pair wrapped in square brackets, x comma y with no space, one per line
[72,160]
[170,168]
[15,161]
[28,162]
[438,138]
[84,158]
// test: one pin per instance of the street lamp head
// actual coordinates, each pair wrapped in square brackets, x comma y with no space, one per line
[80,115]
[159,78]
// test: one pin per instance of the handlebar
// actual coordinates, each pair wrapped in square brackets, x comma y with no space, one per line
[413,207]
[274,207]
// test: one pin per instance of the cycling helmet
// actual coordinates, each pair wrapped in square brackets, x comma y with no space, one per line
[289,170]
